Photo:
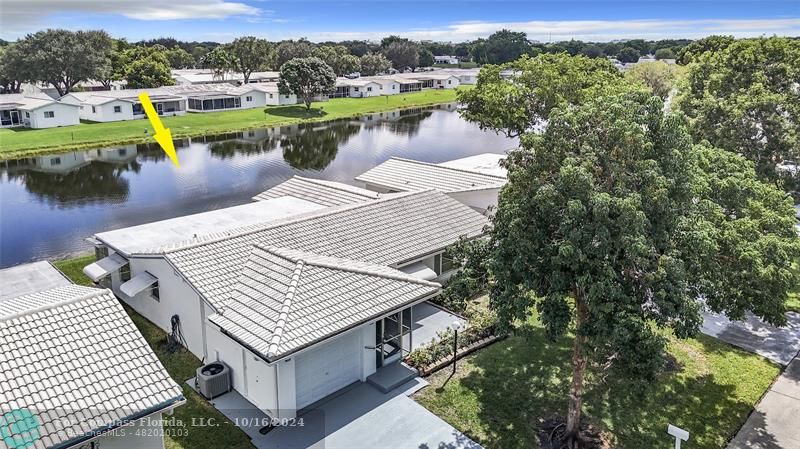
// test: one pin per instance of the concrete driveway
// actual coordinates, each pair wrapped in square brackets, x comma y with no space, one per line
[777,344]
[364,418]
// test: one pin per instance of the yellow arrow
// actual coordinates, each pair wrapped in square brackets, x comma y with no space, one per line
[163,135]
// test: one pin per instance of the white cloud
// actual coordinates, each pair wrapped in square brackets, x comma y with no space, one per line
[22,16]
[597,30]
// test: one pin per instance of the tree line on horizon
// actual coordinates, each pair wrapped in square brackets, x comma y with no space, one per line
[63,58]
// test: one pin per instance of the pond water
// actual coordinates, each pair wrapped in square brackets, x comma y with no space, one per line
[50,204]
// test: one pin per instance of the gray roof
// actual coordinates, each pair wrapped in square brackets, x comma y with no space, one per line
[285,300]
[387,231]
[326,193]
[73,358]
[406,175]
[29,278]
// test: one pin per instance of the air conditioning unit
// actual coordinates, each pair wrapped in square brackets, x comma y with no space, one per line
[213,379]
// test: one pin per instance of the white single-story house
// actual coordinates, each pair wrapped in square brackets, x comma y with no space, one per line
[207,76]
[35,111]
[119,105]
[300,299]
[356,88]
[465,76]
[432,80]
[445,59]
[76,371]
[319,191]
[474,181]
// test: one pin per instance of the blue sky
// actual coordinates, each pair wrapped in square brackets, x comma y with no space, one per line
[224,20]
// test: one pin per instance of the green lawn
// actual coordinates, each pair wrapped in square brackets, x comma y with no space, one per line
[500,393]
[20,142]
[181,366]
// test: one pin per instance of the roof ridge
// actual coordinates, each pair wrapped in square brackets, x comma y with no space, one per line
[286,306]
[338,186]
[251,229]
[399,276]
[462,170]
[53,305]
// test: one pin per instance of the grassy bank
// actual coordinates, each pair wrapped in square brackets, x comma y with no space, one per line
[181,366]
[500,394]
[20,142]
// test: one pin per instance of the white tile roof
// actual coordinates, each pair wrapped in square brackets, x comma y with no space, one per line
[27,102]
[74,359]
[285,300]
[29,278]
[326,193]
[407,175]
[387,231]
[488,163]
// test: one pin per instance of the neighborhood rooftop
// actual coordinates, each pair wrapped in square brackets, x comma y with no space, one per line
[155,235]
[388,231]
[74,359]
[285,300]
[326,193]
[405,175]
[29,278]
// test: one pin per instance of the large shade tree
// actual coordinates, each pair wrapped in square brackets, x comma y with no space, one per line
[339,58]
[307,78]
[614,225]
[288,50]
[501,47]
[745,98]
[64,58]
[249,54]
[13,68]
[403,54]
[657,76]
[374,64]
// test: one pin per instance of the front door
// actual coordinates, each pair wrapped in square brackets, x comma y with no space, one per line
[160,108]
[393,337]
[15,118]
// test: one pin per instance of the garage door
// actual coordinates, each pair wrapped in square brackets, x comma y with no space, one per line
[324,370]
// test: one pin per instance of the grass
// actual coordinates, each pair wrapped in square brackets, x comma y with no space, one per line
[20,142]
[500,393]
[180,366]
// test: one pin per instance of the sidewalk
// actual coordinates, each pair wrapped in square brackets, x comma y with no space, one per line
[775,423]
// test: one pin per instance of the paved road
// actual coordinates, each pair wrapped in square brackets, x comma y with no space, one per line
[777,344]
[775,423]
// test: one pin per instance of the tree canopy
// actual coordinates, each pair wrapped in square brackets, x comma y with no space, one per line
[658,77]
[218,60]
[288,50]
[374,64]
[522,102]
[306,78]
[402,54]
[628,55]
[501,47]
[339,58]
[249,54]
[745,98]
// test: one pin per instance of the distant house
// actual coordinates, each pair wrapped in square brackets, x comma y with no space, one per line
[206,76]
[357,88]
[445,59]
[465,76]
[76,371]
[119,105]
[432,80]
[35,111]
[475,181]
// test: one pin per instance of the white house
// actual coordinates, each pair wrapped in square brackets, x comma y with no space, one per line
[76,371]
[432,80]
[119,105]
[357,88]
[445,59]
[465,76]
[207,76]
[474,181]
[301,302]
[35,111]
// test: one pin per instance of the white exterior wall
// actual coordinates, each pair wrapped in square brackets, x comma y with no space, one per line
[276,98]
[105,112]
[64,115]
[258,99]
[389,87]
[449,83]
[145,433]
[370,90]
[177,298]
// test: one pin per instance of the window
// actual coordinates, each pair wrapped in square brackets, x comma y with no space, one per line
[155,293]
[49,114]
[270,95]
[55,160]
[138,109]
[125,273]
[369,89]
[248,98]
[448,263]
[355,89]
[286,97]
[117,109]
[27,114]
[93,110]
[449,81]
[100,252]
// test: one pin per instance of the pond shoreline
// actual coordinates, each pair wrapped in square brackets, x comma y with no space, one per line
[203,124]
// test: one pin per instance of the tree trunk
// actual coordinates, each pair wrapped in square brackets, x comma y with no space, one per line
[578,371]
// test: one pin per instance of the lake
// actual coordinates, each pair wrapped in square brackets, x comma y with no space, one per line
[50,204]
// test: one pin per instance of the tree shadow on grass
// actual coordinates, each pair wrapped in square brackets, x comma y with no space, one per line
[524,380]
[296,111]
